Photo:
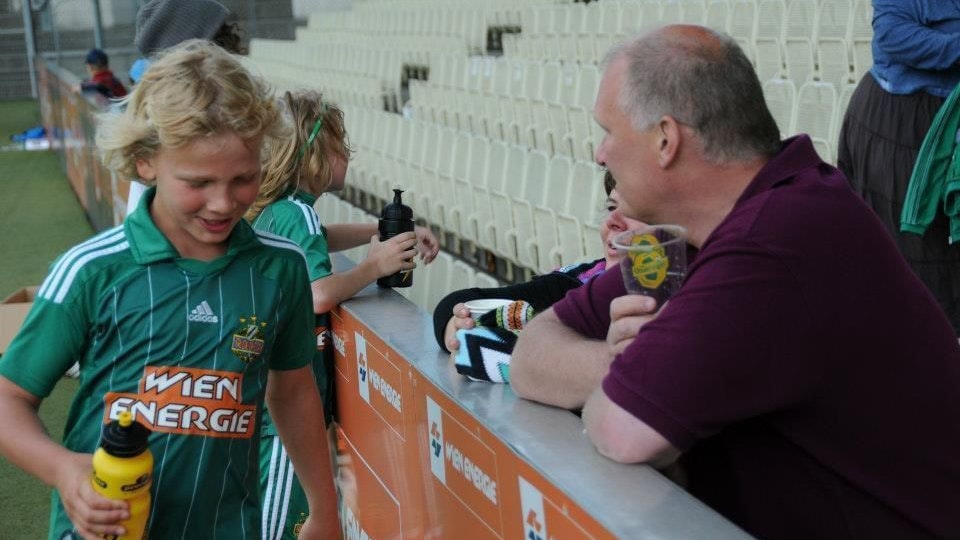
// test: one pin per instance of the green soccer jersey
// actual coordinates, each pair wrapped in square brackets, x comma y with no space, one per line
[185,346]
[293,217]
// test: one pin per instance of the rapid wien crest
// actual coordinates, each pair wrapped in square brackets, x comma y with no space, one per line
[248,338]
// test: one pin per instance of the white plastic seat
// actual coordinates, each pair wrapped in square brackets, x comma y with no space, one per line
[835,19]
[591,242]
[833,63]
[569,241]
[718,15]
[769,58]
[555,195]
[521,237]
[463,206]
[629,22]
[439,282]
[815,110]
[650,13]
[743,20]
[501,197]
[693,12]
[482,219]
[770,22]
[781,96]
[799,60]
[578,142]
[800,20]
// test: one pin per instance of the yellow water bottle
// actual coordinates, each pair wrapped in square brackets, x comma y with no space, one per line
[123,470]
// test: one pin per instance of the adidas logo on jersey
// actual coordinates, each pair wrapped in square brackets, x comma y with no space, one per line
[203,313]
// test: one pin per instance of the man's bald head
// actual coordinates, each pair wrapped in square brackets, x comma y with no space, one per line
[703,80]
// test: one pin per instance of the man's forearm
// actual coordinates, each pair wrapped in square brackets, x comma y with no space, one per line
[553,364]
[296,409]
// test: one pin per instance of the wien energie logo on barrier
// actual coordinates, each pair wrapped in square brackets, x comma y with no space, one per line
[187,401]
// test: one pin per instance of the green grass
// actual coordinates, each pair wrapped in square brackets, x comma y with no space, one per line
[39,218]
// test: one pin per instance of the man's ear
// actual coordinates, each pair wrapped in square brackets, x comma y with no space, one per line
[669,135]
[145,170]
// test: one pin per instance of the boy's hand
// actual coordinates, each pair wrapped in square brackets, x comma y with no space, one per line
[461,319]
[427,244]
[92,514]
[393,255]
[627,315]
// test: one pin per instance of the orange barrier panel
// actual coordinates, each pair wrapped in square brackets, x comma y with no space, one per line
[69,118]
[425,468]
[424,453]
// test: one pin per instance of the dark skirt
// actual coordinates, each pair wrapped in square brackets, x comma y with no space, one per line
[879,142]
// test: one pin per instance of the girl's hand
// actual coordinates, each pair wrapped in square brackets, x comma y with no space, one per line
[461,319]
[393,255]
[427,244]
[92,514]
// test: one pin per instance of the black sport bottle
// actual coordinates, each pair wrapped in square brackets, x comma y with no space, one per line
[396,218]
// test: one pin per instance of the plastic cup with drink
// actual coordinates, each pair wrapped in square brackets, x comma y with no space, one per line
[482,305]
[654,260]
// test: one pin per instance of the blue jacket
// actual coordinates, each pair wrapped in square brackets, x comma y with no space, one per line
[916,46]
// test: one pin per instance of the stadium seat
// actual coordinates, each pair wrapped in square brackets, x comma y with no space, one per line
[718,15]
[815,114]
[781,96]
[743,20]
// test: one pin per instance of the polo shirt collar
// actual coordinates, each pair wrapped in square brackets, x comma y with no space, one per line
[796,155]
[149,245]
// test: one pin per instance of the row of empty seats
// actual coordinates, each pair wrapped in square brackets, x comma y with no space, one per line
[497,151]
[826,40]
[537,211]
[545,106]
[816,108]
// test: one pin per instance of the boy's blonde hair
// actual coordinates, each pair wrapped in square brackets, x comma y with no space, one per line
[195,89]
[297,162]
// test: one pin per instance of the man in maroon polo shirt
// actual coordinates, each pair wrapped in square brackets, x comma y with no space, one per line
[807,380]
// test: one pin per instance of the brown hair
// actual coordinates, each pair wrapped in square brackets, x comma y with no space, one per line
[230,36]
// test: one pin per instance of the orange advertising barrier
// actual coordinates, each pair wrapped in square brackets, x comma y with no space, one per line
[419,466]
[69,118]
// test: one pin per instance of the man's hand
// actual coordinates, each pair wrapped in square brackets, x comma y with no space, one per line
[627,315]
[92,514]
[461,319]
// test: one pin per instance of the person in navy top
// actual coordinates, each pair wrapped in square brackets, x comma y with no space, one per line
[916,63]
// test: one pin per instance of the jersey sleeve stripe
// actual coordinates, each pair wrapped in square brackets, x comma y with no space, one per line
[309,215]
[60,291]
[274,240]
[60,268]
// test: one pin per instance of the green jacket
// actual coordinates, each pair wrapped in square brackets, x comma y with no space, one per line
[936,174]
